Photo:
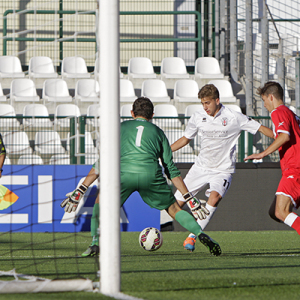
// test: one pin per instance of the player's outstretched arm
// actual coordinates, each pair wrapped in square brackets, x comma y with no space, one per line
[198,210]
[73,198]
[279,141]
[183,141]
[91,177]
[266,131]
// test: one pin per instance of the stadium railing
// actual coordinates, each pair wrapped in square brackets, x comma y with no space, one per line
[73,137]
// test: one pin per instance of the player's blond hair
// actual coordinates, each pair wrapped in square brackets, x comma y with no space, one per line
[209,91]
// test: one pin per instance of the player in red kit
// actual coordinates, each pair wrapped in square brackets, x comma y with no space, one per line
[287,141]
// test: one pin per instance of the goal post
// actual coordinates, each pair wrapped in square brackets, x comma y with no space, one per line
[110,280]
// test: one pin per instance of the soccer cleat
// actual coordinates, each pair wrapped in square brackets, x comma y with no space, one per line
[213,247]
[91,251]
[189,243]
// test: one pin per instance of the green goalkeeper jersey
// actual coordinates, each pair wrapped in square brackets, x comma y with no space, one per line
[142,144]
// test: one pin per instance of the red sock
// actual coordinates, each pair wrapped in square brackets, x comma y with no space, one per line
[296,225]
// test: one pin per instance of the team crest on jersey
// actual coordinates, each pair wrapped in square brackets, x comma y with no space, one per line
[203,119]
[224,121]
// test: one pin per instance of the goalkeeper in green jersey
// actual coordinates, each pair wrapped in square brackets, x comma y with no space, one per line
[142,145]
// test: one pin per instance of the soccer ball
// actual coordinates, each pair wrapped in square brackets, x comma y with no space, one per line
[150,239]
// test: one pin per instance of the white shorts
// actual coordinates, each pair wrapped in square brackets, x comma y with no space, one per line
[197,178]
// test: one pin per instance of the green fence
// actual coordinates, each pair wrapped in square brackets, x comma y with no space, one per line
[127,35]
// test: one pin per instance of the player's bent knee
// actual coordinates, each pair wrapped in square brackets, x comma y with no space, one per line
[279,216]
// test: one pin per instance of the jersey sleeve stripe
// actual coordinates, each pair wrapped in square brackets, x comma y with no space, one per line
[283,131]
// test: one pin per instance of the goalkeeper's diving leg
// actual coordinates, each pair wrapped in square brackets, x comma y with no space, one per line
[93,249]
[70,205]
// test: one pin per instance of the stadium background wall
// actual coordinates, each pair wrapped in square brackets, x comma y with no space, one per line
[246,205]
[41,189]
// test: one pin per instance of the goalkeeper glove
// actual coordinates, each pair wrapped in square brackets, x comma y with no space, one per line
[196,206]
[70,204]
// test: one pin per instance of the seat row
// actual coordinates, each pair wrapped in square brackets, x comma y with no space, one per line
[32,111]
[45,143]
[138,67]
[87,90]
[54,90]
[170,110]
[43,67]
[36,114]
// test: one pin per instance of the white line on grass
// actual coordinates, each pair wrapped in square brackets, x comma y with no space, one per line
[122,296]
[271,255]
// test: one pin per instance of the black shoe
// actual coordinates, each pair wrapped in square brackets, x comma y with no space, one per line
[213,247]
[91,251]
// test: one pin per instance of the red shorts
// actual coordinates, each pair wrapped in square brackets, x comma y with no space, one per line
[289,185]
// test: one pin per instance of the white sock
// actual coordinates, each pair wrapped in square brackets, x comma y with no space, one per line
[203,223]
[290,219]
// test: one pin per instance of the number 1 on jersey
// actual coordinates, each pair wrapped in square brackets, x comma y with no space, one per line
[139,134]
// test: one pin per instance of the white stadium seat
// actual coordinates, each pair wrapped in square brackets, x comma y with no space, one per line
[190,109]
[10,67]
[59,159]
[12,124]
[166,110]
[127,93]
[56,90]
[33,111]
[88,141]
[17,143]
[155,90]
[186,91]
[74,67]
[125,110]
[225,90]
[173,67]
[234,107]
[41,67]
[23,89]
[7,160]
[208,67]
[66,110]
[140,67]
[48,142]
[87,90]
[2,96]
[30,159]
[93,111]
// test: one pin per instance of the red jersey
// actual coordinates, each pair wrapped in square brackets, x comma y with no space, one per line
[284,120]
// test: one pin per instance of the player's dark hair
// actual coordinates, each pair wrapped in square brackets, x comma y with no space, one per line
[273,88]
[209,91]
[143,107]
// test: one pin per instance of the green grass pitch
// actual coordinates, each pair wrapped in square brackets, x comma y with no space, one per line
[254,265]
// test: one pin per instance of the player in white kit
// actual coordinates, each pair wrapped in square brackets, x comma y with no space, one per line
[218,128]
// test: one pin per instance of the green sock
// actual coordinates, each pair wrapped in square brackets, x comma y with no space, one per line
[95,225]
[188,222]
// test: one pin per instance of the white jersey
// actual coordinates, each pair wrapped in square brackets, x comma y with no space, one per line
[218,137]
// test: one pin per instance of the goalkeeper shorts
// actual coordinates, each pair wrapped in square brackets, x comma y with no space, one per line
[152,187]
